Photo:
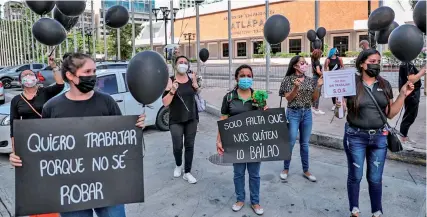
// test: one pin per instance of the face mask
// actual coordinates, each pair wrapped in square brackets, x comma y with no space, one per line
[182,68]
[29,81]
[373,70]
[86,84]
[303,68]
[245,83]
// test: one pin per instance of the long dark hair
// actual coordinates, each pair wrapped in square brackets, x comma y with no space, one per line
[363,56]
[292,63]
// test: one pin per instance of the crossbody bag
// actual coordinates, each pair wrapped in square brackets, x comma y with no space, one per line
[393,141]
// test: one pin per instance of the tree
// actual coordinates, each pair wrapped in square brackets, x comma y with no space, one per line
[125,40]
[413,3]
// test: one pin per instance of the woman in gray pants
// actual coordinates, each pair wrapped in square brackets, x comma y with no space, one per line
[183,117]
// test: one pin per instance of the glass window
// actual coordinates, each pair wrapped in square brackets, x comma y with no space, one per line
[101,67]
[341,43]
[363,37]
[256,47]
[241,49]
[37,66]
[107,84]
[225,50]
[295,46]
[117,66]
[126,83]
[276,48]
[24,67]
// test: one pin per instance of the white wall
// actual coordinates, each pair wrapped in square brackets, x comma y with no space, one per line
[402,10]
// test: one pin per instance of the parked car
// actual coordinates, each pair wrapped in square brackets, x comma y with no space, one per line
[2,96]
[9,74]
[112,82]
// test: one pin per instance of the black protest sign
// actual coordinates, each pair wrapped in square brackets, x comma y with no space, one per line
[255,136]
[71,164]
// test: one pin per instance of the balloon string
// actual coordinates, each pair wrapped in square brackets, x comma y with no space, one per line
[143,141]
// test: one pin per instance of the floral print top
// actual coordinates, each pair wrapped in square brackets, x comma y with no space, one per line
[304,97]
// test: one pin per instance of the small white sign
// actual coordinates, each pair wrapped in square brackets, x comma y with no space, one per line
[339,83]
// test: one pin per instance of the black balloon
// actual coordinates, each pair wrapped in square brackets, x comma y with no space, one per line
[419,15]
[117,16]
[381,37]
[40,7]
[204,54]
[311,35]
[71,8]
[321,32]
[406,42]
[49,32]
[316,44]
[276,29]
[380,18]
[67,22]
[147,76]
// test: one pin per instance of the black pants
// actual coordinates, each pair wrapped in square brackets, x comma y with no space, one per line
[334,100]
[411,111]
[184,134]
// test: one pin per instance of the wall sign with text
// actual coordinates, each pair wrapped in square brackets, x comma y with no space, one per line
[72,164]
[339,83]
[255,136]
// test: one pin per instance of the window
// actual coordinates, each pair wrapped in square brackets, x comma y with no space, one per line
[126,83]
[341,44]
[225,50]
[37,66]
[107,84]
[116,66]
[22,68]
[363,37]
[256,46]
[295,46]
[276,48]
[241,49]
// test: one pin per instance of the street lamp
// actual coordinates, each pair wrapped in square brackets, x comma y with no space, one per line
[189,37]
[88,33]
[165,17]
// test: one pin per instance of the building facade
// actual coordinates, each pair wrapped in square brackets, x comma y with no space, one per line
[13,10]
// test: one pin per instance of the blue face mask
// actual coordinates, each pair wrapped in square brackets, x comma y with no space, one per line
[245,83]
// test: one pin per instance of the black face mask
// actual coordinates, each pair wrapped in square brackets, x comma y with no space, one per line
[87,83]
[373,70]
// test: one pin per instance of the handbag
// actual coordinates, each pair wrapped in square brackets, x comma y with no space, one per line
[393,141]
[200,102]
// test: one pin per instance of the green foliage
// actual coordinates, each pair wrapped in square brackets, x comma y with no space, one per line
[325,49]
[352,53]
[125,40]
[304,54]
[260,98]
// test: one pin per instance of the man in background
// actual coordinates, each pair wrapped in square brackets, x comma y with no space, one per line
[364,44]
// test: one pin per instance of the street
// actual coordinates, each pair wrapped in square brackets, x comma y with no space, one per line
[213,195]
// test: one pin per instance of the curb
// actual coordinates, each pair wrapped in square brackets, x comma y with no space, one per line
[411,156]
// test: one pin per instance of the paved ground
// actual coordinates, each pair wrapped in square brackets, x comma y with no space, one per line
[404,189]
[322,123]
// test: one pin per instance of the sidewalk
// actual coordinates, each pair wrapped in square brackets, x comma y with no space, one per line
[330,134]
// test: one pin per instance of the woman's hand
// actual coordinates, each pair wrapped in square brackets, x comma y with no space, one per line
[52,62]
[407,89]
[141,121]
[194,79]
[15,160]
[174,86]
[219,148]
[265,107]
[320,81]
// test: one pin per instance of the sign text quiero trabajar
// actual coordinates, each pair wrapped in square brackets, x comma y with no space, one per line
[255,136]
[74,164]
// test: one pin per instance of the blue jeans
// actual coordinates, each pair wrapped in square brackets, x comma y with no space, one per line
[110,211]
[254,181]
[357,145]
[299,120]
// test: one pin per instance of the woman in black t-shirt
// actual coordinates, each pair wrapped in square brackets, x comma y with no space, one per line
[29,104]
[183,116]
[365,131]
[332,63]
[317,73]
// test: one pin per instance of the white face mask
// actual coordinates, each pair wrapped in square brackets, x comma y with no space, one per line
[182,68]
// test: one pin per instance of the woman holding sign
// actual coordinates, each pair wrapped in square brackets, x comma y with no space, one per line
[332,63]
[300,91]
[236,102]
[366,132]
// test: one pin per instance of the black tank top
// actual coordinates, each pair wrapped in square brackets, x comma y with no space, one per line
[183,107]
[334,64]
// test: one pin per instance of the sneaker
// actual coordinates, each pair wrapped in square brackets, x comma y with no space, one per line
[177,171]
[257,209]
[283,175]
[237,206]
[319,112]
[310,177]
[189,178]
[333,108]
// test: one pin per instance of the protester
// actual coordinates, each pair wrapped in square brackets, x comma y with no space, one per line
[317,73]
[332,63]
[82,101]
[238,101]
[408,71]
[365,131]
[364,44]
[300,91]
[183,116]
